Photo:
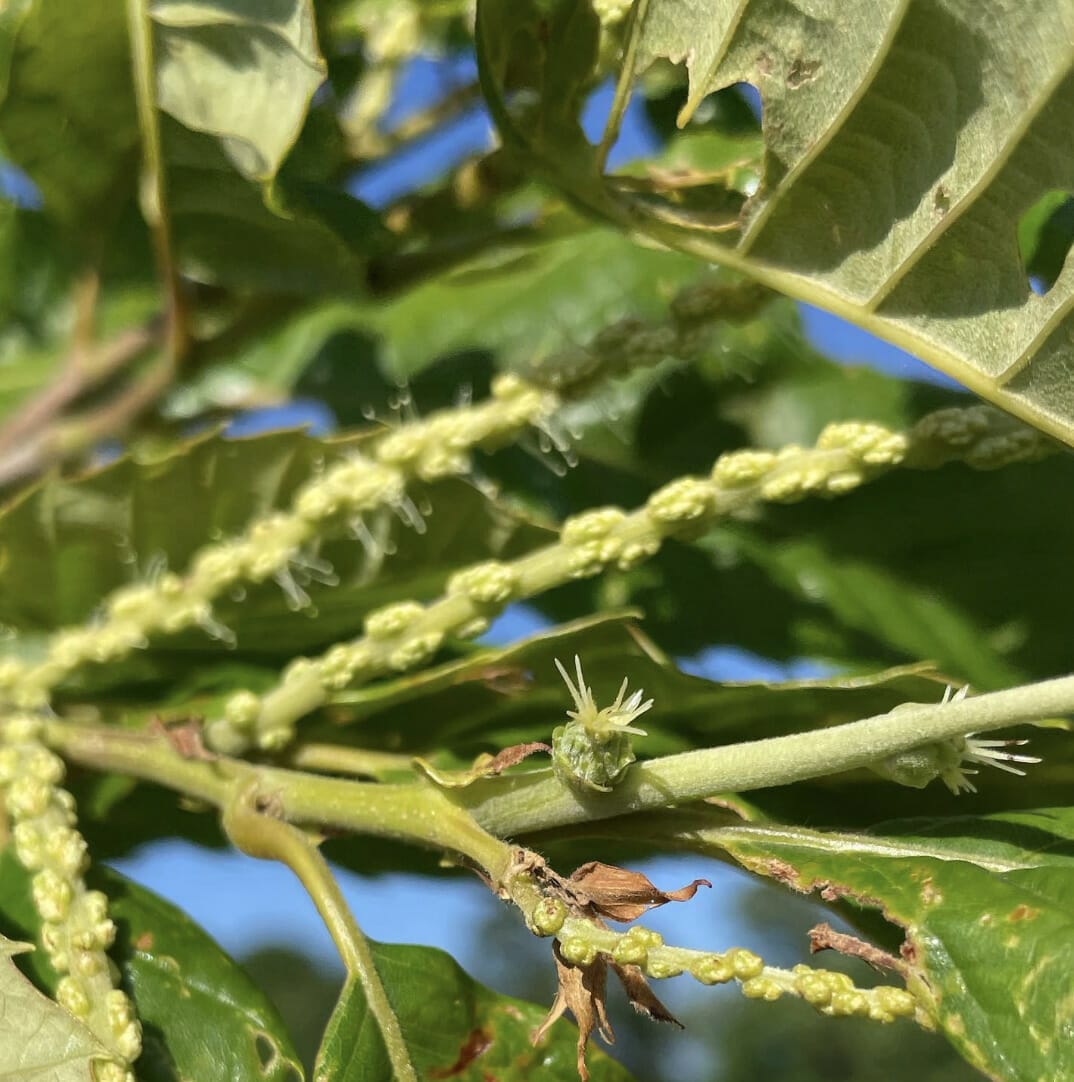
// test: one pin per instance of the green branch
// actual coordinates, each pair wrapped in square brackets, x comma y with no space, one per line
[470,821]
[525,803]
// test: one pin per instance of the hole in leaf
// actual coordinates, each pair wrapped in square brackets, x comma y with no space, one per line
[266,1050]
[1045,235]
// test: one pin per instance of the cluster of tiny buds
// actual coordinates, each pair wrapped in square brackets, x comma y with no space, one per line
[440,446]
[828,992]
[400,637]
[630,343]
[595,539]
[76,931]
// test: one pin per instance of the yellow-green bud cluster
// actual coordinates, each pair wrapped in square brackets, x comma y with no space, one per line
[548,916]
[397,637]
[76,931]
[630,343]
[490,583]
[595,540]
[441,445]
[831,993]
[632,949]
[834,994]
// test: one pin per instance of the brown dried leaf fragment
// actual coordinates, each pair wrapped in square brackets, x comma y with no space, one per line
[582,991]
[642,998]
[485,766]
[623,895]
[185,737]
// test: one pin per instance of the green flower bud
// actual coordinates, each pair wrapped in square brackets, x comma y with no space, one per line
[636,552]
[53,937]
[489,583]
[88,964]
[52,895]
[42,764]
[714,969]
[591,526]
[577,951]
[762,988]
[738,469]
[630,951]
[415,650]
[71,995]
[681,501]
[28,797]
[593,750]
[662,969]
[66,850]
[242,709]
[548,916]
[29,847]
[745,964]
[393,620]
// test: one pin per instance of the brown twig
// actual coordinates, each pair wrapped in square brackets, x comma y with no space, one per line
[824,937]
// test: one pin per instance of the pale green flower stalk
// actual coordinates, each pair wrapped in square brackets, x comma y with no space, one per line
[407,634]
[830,993]
[76,931]
[440,446]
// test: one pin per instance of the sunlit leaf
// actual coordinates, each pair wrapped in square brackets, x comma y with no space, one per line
[40,1038]
[903,144]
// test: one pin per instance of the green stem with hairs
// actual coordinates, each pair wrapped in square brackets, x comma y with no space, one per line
[470,821]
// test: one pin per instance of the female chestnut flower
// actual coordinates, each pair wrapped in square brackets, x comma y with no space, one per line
[952,761]
[594,749]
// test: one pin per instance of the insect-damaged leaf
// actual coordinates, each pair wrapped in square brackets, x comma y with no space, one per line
[984,905]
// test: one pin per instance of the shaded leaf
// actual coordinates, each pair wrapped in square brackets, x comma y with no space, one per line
[931,592]
[41,1039]
[67,114]
[454,1028]
[201,1015]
